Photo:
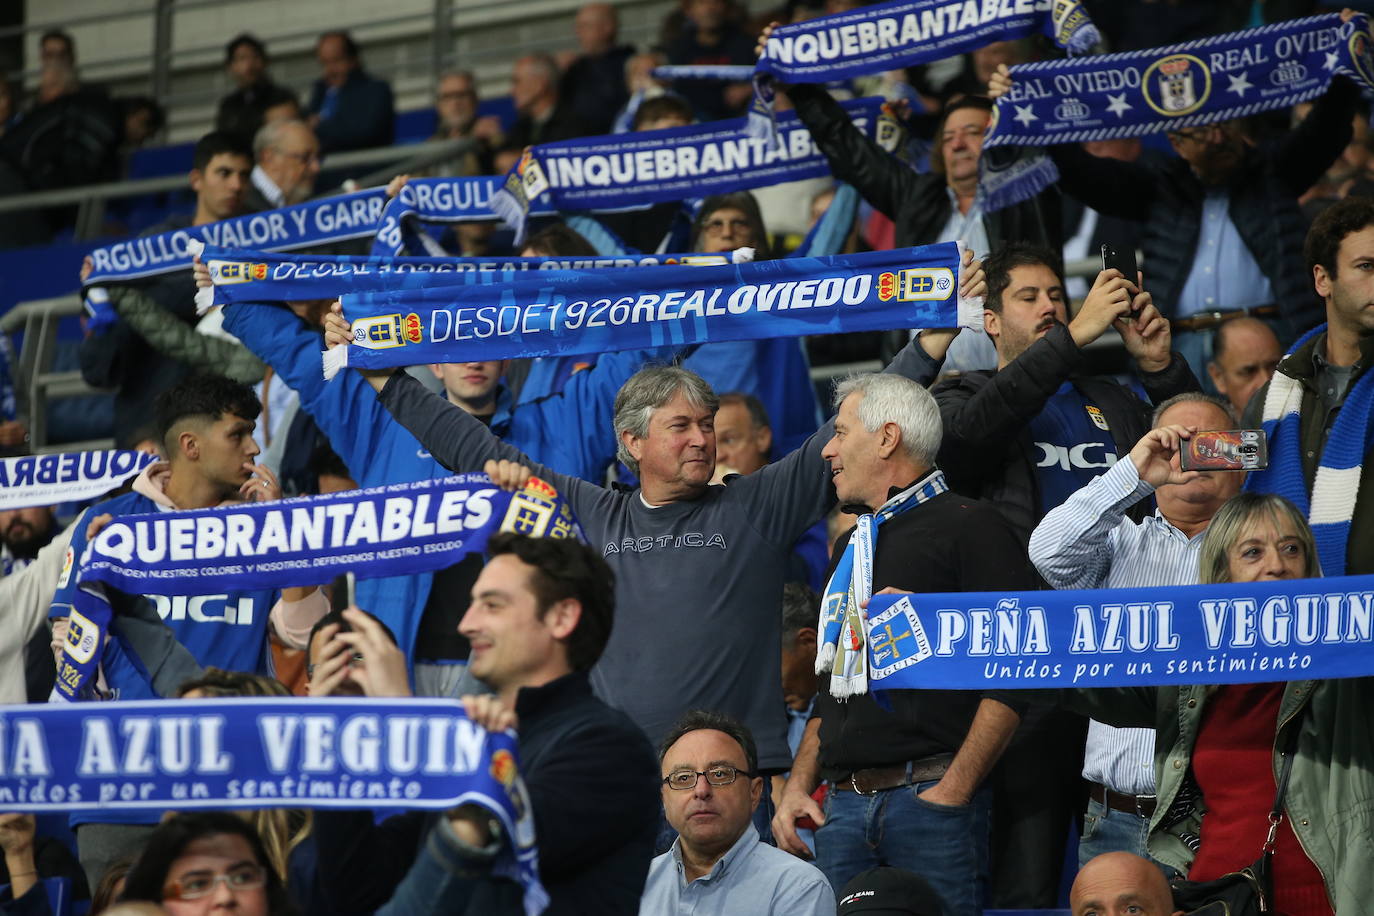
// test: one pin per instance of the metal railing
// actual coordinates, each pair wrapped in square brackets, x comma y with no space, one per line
[35,382]
[91,199]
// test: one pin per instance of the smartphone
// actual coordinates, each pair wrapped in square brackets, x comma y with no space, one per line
[1225,450]
[341,592]
[1123,261]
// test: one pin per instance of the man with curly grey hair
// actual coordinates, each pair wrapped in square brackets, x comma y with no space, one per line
[699,568]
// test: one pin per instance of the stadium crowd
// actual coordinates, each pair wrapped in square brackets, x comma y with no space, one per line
[724,501]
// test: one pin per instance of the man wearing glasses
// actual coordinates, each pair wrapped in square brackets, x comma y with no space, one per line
[288,162]
[717,864]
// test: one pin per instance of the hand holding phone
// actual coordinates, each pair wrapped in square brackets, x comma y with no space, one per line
[1225,450]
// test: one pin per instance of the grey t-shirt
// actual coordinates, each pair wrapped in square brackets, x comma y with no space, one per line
[698,582]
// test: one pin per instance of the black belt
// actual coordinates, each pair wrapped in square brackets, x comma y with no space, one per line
[872,780]
[1205,321]
[1143,805]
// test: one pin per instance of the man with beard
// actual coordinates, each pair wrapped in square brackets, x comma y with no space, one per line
[1221,231]
[1025,437]
[22,533]
[26,582]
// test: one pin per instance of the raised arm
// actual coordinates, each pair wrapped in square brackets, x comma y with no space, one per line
[173,337]
[1071,547]
[883,181]
[346,410]
[1121,189]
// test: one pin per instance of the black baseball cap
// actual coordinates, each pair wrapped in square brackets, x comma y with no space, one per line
[890,892]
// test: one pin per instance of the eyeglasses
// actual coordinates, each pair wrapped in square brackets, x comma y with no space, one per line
[246,877]
[1195,135]
[683,780]
[355,662]
[718,226]
[302,158]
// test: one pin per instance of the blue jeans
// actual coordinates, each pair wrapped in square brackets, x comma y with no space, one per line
[1196,348]
[1109,830]
[948,846]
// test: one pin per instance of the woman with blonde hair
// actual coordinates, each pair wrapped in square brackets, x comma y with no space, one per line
[1220,749]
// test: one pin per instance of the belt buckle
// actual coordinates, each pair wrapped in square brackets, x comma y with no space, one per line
[854,783]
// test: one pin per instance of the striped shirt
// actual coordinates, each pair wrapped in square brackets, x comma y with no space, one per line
[1089,543]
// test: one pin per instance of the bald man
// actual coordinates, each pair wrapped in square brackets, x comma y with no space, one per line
[1121,883]
[1244,356]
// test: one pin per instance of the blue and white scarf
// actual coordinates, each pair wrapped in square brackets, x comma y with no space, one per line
[396,530]
[1232,633]
[557,313]
[1165,89]
[318,222]
[842,646]
[904,33]
[442,201]
[1336,487]
[628,171]
[708,72]
[257,276]
[45,480]
[242,753]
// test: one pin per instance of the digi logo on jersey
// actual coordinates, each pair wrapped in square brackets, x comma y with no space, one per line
[226,272]
[916,284]
[204,608]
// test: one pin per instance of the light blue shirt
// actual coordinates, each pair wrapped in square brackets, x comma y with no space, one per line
[1087,542]
[752,878]
[1225,275]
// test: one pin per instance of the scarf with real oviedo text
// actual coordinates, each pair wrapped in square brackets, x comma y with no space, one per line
[628,171]
[842,645]
[257,276]
[1336,486]
[556,313]
[904,33]
[1163,89]
[394,530]
[1174,636]
[45,480]
[246,753]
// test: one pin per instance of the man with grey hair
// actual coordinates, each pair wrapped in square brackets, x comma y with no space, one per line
[912,776]
[699,568]
[1088,542]
[543,116]
[288,162]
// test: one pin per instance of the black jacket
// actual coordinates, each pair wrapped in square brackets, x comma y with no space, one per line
[947,544]
[987,451]
[1167,198]
[121,359]
[594,787]
[240,112]
[364,117]
[918,204]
